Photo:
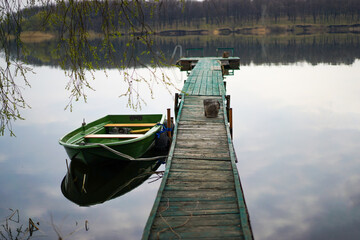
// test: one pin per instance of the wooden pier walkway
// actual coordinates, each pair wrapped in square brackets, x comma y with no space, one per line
[200,196]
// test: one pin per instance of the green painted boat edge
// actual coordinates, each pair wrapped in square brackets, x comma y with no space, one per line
[152,131]
[244,214]
[150,221]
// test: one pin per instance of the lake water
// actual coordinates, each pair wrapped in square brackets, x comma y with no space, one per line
[296,136]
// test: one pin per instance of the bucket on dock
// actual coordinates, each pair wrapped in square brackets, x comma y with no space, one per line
[211,108]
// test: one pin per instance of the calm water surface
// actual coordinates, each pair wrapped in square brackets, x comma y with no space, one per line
[296,134]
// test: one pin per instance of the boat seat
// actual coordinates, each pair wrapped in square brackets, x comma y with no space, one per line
[114,135]
[130,125]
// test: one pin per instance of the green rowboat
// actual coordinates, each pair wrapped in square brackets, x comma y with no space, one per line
[113,137]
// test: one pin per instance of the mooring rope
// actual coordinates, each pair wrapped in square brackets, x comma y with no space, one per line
[164,129]
[123,155]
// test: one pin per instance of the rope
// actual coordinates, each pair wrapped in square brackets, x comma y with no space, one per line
[164,129]
[123,155]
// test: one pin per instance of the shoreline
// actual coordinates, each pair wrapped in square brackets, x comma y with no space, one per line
[256,31]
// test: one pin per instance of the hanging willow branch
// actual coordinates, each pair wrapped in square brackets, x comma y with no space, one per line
[74,21]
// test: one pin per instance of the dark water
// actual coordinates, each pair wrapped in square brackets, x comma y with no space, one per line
[296,135]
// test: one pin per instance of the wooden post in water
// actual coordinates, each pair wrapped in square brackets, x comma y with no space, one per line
[176,108]
[227,97]
[231,122]
[168,121]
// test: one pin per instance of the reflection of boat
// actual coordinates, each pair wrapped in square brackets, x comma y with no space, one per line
[93,184]
[113,137]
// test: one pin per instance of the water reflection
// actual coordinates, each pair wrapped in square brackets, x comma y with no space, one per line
[92,184]
[297,138]
[296,135]
[258,50]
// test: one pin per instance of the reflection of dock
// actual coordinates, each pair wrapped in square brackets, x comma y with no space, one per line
[200,195]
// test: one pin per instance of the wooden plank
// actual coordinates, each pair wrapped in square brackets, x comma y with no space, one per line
[199,133]
[200,124]
[121,136]
[202,220]
[207,173]
[202,118]
[190,185]
[187,208]
[182,164]
[200,164]
[197,123]
[218,209]
[130,125]
[193,232]
[220,159]
[198,137]
[188,196]
[206,130]
[201,175]
[201,152]
[203,83]
[218,156]
[189,143]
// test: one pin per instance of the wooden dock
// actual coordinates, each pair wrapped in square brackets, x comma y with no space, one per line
[200,194]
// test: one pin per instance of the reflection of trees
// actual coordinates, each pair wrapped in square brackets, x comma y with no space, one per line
[331,49]
[320,49]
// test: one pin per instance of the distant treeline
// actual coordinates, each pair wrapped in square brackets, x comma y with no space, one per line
[255,11]
[175,14]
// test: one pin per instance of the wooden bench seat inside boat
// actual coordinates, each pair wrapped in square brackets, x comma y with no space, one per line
[114,135]
[130,124]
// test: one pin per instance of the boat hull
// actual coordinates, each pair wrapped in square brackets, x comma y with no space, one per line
[92,151]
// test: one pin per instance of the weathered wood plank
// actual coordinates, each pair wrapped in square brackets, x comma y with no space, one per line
[202,137]
[207,155]
[224,159]
[219,175]
[197,152]
[203,131]
[196,123]
[179,211]
[198,185]
[200,164]
[196,205]
[199,220]
[199,208]
[203,127]
[193,232]
[209,174]
[205,143]
[203,118]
